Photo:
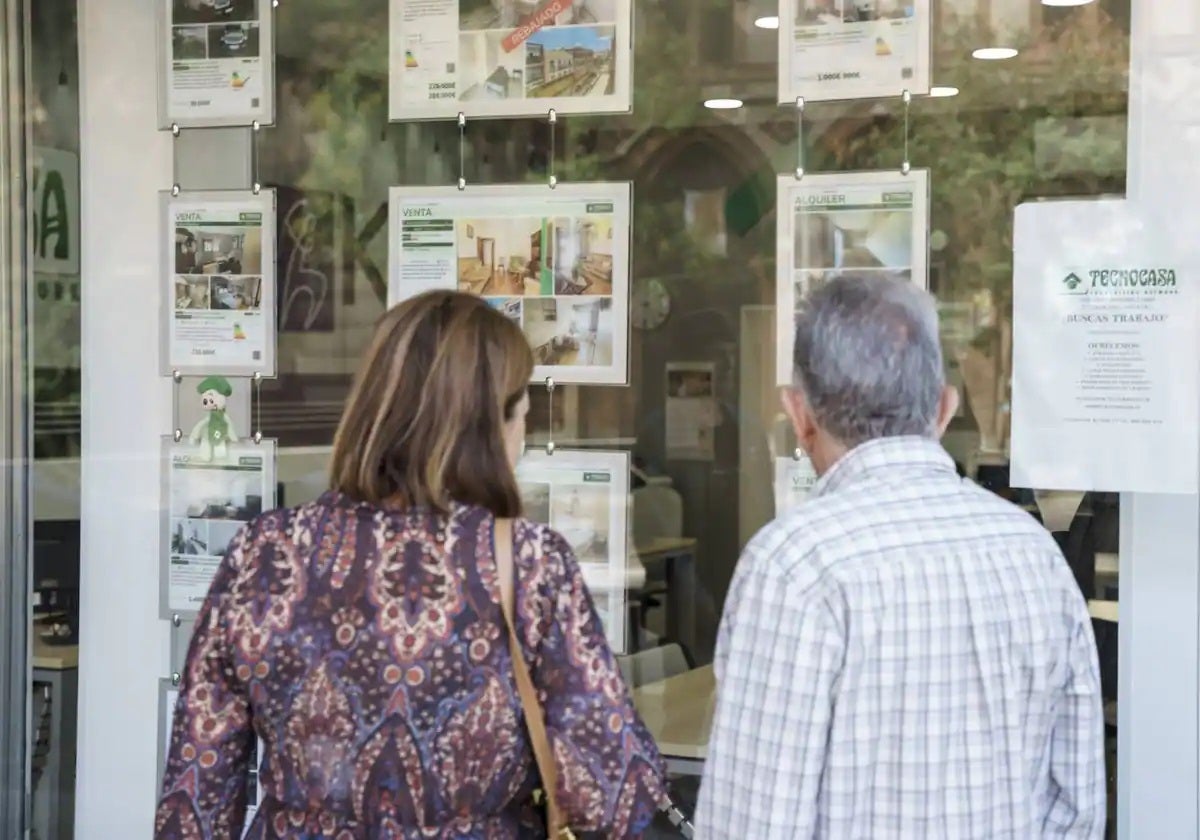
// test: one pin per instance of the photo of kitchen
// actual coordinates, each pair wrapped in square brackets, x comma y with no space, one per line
[508,14]
[565,332]
[570,61]
[581,255]
[486,70]
[218,249]
[853,239]
[500,257]
[580,512]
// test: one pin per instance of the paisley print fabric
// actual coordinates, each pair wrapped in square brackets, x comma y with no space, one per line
[366,648]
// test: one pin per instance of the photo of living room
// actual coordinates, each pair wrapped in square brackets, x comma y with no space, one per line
[581,255]
[499,257]
[218,249]
[566,332]
[215,493]
[486,70]
[570,61]
[580,512]
[508,14]
[853,239]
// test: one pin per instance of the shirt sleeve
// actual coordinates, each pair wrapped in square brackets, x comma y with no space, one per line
[780,652]
[204,784]
[610,775]
[1077,769]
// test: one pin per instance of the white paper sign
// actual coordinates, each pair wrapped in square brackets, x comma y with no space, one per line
[794,482]
[217,62]
[219,283]
[691,411]
[585,497]
[864,223]
[555,261]
[211,490]
[1106,377]
[853,49]
[508,58]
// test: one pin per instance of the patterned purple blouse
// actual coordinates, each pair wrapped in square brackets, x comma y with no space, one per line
[366,648]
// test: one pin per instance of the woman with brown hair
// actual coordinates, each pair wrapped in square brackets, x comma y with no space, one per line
[361,636]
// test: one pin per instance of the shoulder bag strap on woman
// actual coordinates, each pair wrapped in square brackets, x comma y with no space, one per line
[534,721]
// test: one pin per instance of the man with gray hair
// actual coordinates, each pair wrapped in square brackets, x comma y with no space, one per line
[904,655]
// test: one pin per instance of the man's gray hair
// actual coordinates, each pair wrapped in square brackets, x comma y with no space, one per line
[867,358]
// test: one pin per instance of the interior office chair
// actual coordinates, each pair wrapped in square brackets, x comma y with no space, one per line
[657,514]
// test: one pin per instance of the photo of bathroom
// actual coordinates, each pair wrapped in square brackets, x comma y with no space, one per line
[580,512]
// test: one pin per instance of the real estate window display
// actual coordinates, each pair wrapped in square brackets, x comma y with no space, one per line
[334,150]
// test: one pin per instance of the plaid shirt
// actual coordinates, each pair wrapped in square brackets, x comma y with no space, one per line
[905,656]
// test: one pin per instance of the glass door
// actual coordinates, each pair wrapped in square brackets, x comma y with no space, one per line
[14,475]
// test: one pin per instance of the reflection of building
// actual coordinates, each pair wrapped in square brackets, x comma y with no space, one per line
[550,65]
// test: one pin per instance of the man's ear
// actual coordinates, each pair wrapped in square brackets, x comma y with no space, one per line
[797,410]
[947,407]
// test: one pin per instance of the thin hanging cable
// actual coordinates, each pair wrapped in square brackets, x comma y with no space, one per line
[553,119]
[906,165]
[799,137]
[550,419]
[462,150]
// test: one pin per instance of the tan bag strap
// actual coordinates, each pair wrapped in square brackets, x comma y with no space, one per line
[534,721]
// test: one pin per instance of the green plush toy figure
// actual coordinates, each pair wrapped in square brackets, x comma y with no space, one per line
[215,432]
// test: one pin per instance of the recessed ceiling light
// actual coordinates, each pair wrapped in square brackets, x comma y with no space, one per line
[942,91]
[768,22]
[1066,2]
[723,104]
[994,53]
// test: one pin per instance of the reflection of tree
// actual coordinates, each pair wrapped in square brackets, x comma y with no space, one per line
[333,136]
[983,151]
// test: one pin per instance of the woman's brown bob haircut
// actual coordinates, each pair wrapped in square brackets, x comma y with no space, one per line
[424,423]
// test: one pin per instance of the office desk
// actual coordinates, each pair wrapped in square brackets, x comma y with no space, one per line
[55,689]
[678,559]
[678,711]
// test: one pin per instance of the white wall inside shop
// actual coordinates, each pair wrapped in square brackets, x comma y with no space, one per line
[126,406]
[1159,708]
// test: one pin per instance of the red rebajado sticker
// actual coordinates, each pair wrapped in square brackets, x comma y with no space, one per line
[546,14]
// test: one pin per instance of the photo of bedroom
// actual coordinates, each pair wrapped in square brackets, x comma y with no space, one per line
[580,512]
[486,70]
[218,249]
[581,255]
[853,239]
[564,332]
[499,257]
